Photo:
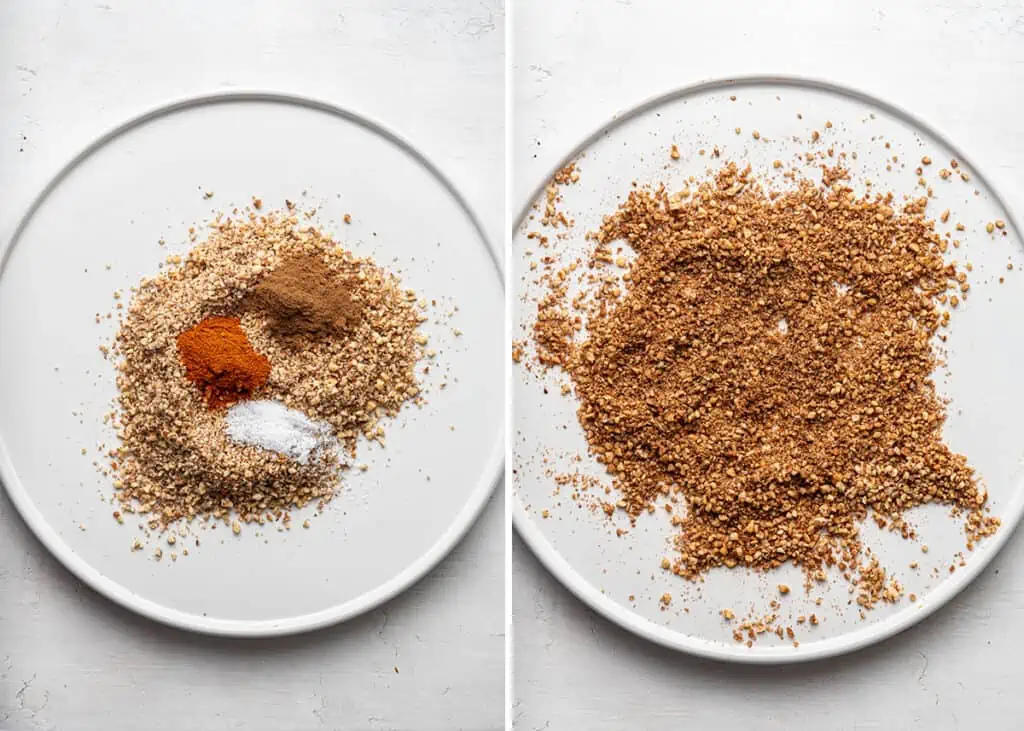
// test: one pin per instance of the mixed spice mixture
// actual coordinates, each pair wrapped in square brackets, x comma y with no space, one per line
[757,365]
[248,370]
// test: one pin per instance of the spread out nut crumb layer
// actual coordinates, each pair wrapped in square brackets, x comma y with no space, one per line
[756,365]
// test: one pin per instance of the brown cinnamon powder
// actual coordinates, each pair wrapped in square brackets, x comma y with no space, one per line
[304,298]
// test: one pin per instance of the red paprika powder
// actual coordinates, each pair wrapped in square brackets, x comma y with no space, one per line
[221,361]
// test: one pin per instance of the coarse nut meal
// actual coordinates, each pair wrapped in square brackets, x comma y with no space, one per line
[249,369]
[753,360]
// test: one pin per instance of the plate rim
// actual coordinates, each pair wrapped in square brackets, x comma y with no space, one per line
[491,474]
[553,561]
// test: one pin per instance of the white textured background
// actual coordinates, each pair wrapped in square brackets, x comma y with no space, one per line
[433,71]
[958,64]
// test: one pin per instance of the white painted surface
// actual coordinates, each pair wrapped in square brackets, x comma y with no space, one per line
[71,660]
[957,65]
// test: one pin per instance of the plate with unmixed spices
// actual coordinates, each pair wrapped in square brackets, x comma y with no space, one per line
[766,399]
[250,365]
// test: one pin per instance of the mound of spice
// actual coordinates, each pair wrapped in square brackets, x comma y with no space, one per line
[302,298]
[219,359]
[767,360]
[273,426]
[196,324]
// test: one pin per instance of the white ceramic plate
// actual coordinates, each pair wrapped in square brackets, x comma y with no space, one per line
[145,181]
[619,576]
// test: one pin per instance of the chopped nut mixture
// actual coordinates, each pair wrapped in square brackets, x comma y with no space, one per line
[768,357]
[552,216]
[175,460]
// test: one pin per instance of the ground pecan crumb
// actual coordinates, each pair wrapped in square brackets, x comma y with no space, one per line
[175,460]
[768,357]
[567,175]
[552,216]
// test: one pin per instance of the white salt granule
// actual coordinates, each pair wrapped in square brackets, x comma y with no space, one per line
[273,426]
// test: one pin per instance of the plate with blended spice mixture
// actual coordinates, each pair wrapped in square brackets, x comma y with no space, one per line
[250,358]
[766,403]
